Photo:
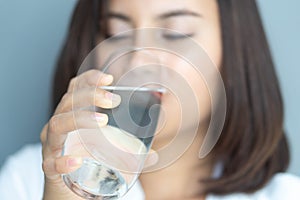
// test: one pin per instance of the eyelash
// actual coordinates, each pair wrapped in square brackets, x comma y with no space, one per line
[116,37]
[166,36]
[177,36]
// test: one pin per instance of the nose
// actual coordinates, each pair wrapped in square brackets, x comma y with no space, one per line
[145,64]
[142,67]
[142,57]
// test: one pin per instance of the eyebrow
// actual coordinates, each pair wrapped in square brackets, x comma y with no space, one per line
[178,13]
[174,13]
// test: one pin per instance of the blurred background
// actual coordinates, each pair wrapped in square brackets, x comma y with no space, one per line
[31,35]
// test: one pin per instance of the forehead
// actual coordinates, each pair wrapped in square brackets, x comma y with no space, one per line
[156,7]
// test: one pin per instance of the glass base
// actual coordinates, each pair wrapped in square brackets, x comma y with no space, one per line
[82,193]
[94,180]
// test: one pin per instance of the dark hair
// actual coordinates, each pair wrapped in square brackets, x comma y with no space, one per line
[253,146]
[79,42]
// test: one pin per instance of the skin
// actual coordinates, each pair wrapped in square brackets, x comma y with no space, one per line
[204,27]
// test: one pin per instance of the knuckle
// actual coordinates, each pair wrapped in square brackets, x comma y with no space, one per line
[91,96]
[56,150]
[72,83]
[59,166]
[45,165]
[43,135]
[65,101]
[52,125]
[94,71]
[66,97]
[80,114]
[93,76]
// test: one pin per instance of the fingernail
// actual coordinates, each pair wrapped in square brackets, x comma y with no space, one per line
[107,79]
[109,95]
[153,158]
[100,117]
[74,162]
[113,97]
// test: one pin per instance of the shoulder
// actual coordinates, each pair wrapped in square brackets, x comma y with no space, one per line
[22,174]
[281,186]
[27,159]
[27,153]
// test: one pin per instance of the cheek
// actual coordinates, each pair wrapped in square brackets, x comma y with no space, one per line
[211,42]
[195,81]
[171,120]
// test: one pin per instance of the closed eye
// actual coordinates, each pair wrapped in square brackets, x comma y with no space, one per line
[117,37]
[177,36]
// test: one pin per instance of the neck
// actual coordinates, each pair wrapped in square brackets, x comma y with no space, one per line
[181,179]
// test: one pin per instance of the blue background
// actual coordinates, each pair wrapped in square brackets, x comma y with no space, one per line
[31,34]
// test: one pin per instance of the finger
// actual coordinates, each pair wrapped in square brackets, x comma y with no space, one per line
[54,167]
[151,159]
[90,78]
[43,135]
[60,125]
[88,97]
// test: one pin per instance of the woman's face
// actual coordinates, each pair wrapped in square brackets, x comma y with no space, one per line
[198,19]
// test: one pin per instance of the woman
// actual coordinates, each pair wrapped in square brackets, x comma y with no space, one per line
[252,151]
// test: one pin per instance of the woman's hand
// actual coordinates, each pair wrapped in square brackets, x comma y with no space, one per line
[83,92]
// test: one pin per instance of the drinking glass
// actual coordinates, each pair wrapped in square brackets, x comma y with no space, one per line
[114,155]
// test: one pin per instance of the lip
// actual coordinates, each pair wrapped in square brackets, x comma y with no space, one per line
[156,92]
[158,95]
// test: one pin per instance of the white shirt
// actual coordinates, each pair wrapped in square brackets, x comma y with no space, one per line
[22,178]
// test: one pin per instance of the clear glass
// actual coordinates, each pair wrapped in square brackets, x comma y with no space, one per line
[114,155]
